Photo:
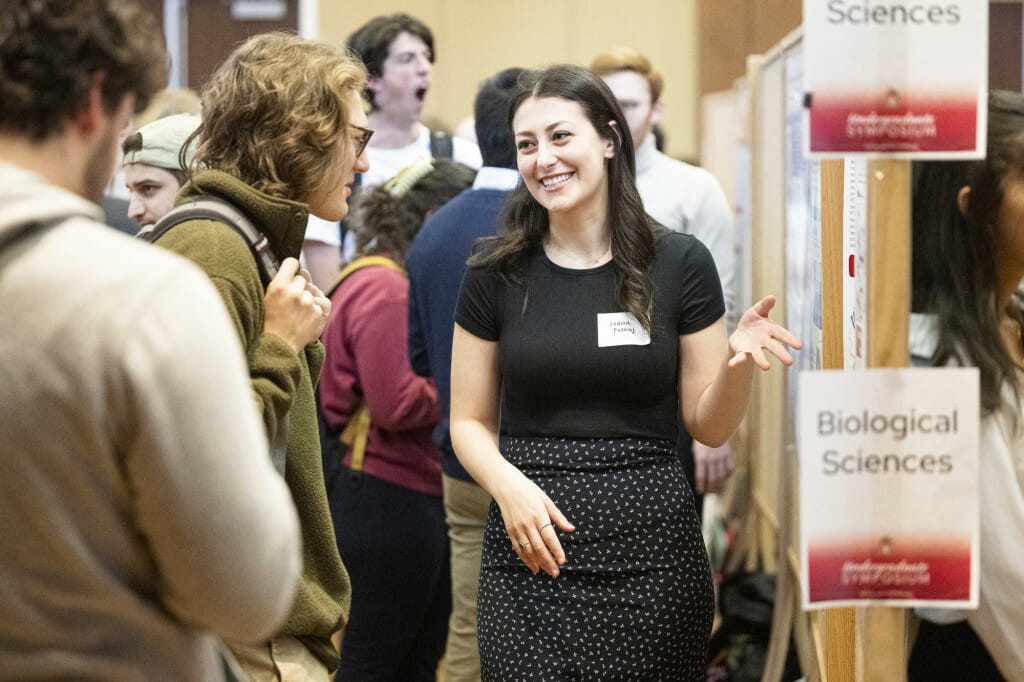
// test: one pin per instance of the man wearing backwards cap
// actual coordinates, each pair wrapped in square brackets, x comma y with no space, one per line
[152,169]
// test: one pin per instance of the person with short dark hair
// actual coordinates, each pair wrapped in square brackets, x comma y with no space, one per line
[436,264]
[584,329]
[140,516]
[374,42]
[386,499]
[277,148]
[398,52]
[154,166]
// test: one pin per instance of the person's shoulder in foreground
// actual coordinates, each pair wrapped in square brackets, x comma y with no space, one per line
[126,402]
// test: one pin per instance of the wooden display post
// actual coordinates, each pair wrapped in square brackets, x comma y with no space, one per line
[839,624]
[868,644]
[881,633]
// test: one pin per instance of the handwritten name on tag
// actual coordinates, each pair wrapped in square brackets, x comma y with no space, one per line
[620,329]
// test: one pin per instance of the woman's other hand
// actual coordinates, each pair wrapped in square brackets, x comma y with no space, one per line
[530,520]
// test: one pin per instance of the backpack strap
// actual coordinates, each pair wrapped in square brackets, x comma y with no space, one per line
[359,264]
[440,144]
[209,207]
[216,209]
[26,230]
[356,432]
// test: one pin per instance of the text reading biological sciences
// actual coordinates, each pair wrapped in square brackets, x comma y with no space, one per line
[867,12]
[897,427]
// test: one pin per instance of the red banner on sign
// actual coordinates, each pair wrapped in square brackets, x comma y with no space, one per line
[879,123]
[890,568]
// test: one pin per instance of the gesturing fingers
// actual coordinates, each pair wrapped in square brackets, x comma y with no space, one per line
[764,306]
[779,350]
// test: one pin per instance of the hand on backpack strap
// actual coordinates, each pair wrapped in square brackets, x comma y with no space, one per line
[296,309]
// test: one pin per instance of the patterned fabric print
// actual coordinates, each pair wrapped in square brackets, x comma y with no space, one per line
[634,599]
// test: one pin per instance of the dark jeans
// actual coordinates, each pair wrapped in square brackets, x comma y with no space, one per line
[394,543]
[950,653]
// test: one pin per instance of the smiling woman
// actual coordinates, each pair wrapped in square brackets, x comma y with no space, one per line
[583,329]
[562,161]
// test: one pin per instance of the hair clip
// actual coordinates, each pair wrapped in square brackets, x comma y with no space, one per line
[409,176]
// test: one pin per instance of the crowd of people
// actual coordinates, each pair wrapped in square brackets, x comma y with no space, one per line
[433,401]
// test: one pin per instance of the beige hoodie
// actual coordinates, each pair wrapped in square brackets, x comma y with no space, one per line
[139,511]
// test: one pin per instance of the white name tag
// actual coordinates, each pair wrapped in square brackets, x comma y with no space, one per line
[620,329]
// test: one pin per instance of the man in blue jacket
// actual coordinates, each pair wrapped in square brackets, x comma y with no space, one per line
[435,264]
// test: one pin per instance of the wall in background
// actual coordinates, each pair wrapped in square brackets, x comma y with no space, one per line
[1004,46]
[732,29]
[477,39]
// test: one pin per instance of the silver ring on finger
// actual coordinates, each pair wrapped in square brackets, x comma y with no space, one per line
[523,544]
[552,523]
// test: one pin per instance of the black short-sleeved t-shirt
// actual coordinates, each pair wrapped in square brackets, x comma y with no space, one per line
[571,363]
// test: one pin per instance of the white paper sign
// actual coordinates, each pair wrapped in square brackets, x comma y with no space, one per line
[900,78]
[889,487]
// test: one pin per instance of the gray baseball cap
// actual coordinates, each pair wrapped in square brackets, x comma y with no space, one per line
[162,140]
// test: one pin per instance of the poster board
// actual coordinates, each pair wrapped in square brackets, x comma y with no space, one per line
[767,275]
[856,644]
[780,221]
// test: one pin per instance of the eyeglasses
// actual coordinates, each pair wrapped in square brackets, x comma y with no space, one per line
[364,137]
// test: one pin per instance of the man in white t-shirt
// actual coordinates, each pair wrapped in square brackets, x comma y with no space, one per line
[681,197]
[398,51]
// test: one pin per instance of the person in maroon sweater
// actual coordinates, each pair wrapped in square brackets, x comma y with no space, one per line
[388,513]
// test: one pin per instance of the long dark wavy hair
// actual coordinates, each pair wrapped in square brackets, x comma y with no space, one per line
[525,221]
[955,256]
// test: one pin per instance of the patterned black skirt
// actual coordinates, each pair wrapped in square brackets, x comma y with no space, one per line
[634,600]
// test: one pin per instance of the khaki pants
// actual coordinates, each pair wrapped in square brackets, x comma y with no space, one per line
[282,659]
[465,507]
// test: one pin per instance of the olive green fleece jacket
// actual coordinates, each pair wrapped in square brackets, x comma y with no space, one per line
[282,384]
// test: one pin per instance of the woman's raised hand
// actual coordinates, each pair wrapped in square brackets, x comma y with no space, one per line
[756,333]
